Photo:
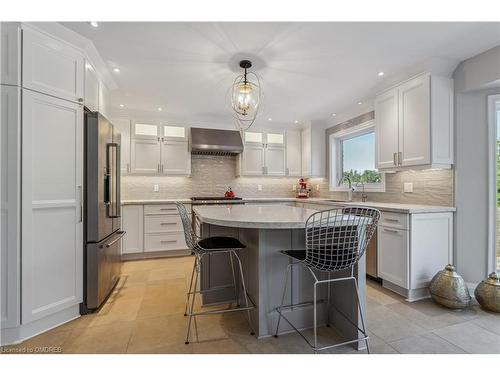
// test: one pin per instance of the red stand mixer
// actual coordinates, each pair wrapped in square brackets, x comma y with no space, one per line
[303,191]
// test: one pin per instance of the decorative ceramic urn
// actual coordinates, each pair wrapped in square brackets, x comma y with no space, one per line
[487,292]
[447,288]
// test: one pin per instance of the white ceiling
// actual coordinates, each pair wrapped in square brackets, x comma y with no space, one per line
[308,70]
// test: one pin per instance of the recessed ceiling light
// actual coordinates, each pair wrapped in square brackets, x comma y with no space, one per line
[296,121]
[160,109]
[116,70]
[380,74]
[94,24]
[270,119]
[334,114]
[360,103]
[122,105]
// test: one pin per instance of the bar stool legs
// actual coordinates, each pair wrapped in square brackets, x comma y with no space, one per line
[193,291]
[314,345]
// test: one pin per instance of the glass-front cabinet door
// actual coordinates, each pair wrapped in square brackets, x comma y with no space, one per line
[146,131]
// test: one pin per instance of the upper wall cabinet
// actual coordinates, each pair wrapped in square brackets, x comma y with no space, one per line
[92,88]
[52,67]
[293,153]
[414,124]
[313,151]
[123,125]
[160,149]
[264,154]
[10,52]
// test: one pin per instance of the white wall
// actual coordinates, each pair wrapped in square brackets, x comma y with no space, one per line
[475,79]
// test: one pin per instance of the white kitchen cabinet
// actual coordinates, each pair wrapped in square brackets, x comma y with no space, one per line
[412,248]
[52,66]
[293,153]
[145,156]
[264,153]
[10,303]
[10,52]
[123,125]
[160,149]
[133,225]
[431,246]
[275,160]
[52,215]
[153,230]
[387,129]
[252,160]
[313,151]
[104,100]
[91,88]
[414,124]
[175,158]
[393,255]
[174,133]
[145,130]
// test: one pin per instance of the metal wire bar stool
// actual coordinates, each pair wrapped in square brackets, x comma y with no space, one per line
[336,240]
[202,247]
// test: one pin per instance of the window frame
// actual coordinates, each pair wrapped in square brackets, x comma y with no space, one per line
[335,155]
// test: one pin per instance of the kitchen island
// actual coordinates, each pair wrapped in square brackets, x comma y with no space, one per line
[265,230]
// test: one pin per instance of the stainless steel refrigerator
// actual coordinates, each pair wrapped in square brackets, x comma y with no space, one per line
[102,229]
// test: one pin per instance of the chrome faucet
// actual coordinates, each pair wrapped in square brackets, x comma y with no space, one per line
[351,189]
[364,197]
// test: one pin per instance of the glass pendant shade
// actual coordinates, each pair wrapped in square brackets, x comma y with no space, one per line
[245,99]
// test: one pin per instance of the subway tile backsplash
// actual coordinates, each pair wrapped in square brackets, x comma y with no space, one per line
[212,175]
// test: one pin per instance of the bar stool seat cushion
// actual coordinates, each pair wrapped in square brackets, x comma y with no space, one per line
[219,243]
[296,254]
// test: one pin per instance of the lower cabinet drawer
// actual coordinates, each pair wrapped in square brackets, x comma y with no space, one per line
[162,223]
[164,241]
[394,219]
[163,209]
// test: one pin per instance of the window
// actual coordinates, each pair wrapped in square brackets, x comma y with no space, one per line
[358,159]
[352,153]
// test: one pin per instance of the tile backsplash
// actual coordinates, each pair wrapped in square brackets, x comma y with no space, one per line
[431,187]
[211,175]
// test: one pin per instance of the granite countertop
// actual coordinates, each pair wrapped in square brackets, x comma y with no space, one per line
[384,206]
[265,216]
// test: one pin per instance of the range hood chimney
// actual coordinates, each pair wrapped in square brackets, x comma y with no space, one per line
[215,142]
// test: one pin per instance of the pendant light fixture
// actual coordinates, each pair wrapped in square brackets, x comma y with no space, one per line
[245,96]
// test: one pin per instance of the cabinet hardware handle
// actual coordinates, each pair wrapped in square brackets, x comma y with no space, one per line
[168,209]
[158,168]
[400,158]
[287,171]
[395,158]
[391,230]
[128,168]
[162,168]
[80,100]
[168,223]
[389,219]
[167,241]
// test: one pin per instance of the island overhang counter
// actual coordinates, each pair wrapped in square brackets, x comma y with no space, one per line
[266,230]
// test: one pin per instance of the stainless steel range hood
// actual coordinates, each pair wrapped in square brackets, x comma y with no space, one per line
[215,142]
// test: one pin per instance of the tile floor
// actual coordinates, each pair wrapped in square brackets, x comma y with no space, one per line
[145,315]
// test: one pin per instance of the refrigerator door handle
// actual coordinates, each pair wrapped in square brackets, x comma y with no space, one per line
[120,235]
[112,175]
[117,181]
